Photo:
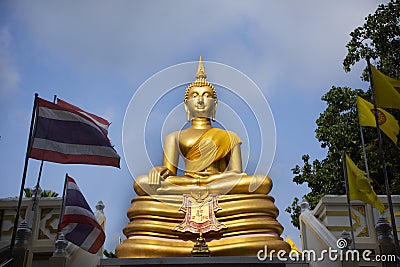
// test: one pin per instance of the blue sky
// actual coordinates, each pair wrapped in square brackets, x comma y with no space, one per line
[95,54]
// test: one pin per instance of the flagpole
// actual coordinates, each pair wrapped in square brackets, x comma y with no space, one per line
[383,162]
[348,198]
[363,146]
[62,204]
[30,223]
[21,192]
[37,186]
[364,152]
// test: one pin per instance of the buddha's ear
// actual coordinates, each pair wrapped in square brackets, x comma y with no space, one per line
[214,111]
[187,111]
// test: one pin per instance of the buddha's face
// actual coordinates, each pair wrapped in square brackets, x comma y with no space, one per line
[200,102]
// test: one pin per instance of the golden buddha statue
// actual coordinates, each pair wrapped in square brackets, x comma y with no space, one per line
[245,214]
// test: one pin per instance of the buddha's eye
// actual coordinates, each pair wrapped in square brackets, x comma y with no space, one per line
[195,95]
[207,95]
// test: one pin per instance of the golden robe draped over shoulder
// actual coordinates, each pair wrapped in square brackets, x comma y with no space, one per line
[211,146]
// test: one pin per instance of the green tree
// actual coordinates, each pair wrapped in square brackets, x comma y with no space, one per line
[28,192]
[48,193]
[338,128]
[378,39]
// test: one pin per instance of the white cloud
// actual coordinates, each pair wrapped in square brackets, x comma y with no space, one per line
[9,76]
[130,36]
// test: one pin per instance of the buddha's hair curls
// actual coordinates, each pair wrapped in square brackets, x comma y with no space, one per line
[201,83]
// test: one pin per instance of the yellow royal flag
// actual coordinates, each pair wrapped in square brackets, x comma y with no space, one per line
[360,187]
[293,246]
[387,90]
[387,123]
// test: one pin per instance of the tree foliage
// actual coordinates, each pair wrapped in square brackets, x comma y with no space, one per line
[338,128]
[378,39]
[28,192]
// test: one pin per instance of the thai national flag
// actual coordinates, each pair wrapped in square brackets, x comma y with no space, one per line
[79,224]
[65,133]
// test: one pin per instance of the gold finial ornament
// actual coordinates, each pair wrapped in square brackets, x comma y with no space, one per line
[201,81]
[201,72]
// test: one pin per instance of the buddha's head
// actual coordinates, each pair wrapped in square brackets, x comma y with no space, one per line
[200,96]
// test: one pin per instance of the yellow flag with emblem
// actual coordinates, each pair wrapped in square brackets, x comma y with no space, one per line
[387,123]
[360,187]
[387,90]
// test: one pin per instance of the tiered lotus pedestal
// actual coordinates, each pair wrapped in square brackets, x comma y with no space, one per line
[250,221]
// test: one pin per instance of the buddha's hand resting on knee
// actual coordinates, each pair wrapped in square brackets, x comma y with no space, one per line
[156,174]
